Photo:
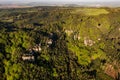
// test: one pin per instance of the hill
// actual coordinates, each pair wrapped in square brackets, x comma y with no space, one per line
[60,43]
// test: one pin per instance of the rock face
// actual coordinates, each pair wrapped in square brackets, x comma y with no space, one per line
[49,42]
[36,48]
[88,42]
[76,37]
[28,57]
[68,32]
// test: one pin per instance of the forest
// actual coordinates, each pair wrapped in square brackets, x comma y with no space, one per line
[60,43]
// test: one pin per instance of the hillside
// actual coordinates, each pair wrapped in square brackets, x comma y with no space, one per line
[60,43]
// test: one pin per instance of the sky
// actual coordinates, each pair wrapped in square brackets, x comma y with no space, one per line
[60,0]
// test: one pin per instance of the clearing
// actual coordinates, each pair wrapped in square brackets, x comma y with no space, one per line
[91,11]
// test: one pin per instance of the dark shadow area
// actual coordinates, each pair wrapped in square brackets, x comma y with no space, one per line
[38,24]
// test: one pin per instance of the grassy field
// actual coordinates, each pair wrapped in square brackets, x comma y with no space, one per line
[91,11]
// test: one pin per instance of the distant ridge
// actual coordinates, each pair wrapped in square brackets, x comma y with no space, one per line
[66,4]
[8,6]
